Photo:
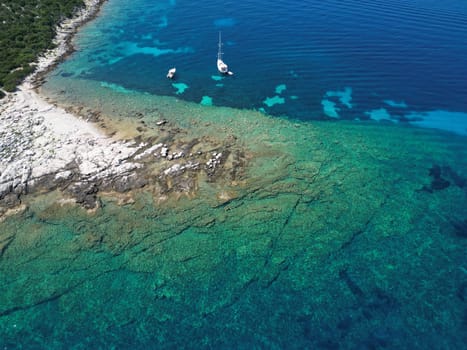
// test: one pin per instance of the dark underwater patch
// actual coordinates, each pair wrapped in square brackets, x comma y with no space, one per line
[66,74]
[442,177]
[462,292]
[460,228]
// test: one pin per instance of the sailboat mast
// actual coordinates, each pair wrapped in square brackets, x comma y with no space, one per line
[219,52]
[221,66]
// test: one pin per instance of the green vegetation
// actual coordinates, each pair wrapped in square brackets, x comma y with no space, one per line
[27,28]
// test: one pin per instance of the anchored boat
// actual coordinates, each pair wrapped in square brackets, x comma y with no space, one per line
[171,73]
[221,66]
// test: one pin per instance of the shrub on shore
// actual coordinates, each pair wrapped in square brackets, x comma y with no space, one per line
[27,29]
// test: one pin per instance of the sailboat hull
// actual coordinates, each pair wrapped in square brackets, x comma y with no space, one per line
[222,67]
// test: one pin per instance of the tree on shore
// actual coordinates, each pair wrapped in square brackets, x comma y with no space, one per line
[27,30]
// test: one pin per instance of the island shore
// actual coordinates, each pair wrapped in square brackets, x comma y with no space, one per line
[39,140]
[43,147]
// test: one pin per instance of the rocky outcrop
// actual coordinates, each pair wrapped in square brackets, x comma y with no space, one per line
[43,148]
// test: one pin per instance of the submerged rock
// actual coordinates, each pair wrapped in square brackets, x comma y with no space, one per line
[84,193]
[10,200]
[460,228]
[438,182]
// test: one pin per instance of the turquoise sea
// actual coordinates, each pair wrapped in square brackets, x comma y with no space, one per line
[343,227]
[398,61]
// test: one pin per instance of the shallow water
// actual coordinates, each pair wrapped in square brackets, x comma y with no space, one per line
[339,235]
[337,238]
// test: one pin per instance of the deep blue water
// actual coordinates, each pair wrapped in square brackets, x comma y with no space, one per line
[386,60]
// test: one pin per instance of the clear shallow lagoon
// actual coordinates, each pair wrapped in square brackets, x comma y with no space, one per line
[341,235]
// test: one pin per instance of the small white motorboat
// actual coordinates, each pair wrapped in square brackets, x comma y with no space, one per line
[221,65]
[171,73]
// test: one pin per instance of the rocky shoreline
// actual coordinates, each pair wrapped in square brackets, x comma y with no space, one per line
[45,148]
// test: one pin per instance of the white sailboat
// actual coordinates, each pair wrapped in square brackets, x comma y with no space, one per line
[221,66]
[171,73]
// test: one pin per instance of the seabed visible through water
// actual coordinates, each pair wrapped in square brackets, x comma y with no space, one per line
[339,235]
[330,234]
